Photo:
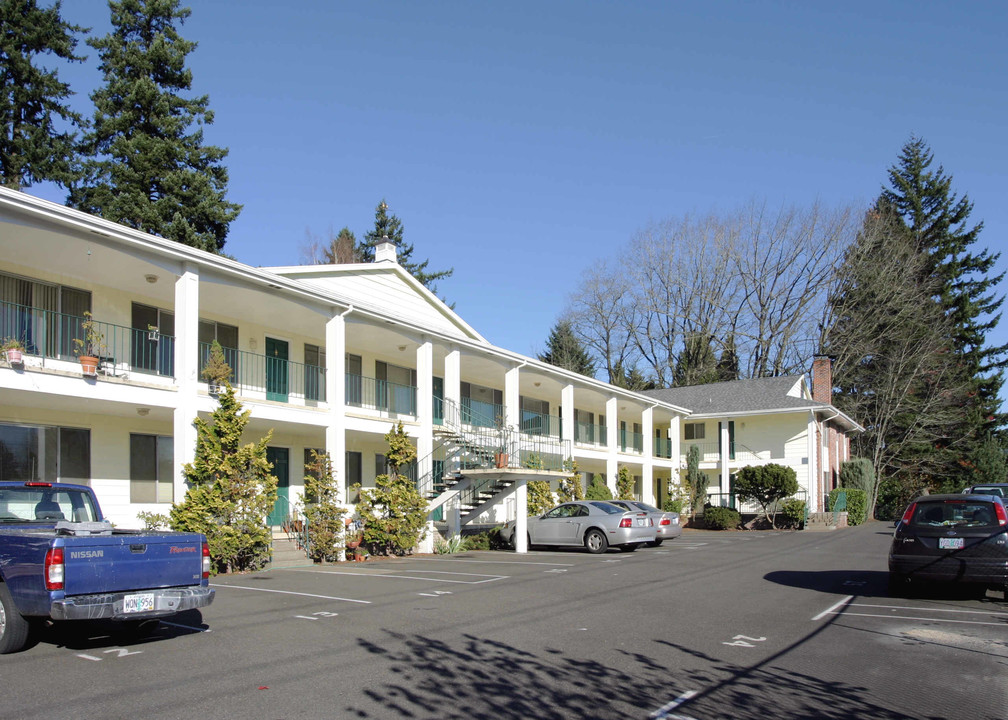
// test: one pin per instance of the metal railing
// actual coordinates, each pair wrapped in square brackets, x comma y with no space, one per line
[533,423]
[389,398]
[731,500]
[120,349]
[589,434]
[278,378]
[630,441]
[663,448]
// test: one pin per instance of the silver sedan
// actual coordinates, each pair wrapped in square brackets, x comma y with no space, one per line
[667,525]
[592,523]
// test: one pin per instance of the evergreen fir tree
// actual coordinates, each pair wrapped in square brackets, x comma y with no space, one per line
[147,165]
[965,286]
[727,367]
[563,349]
[391,227]
[696,364]
[32,146]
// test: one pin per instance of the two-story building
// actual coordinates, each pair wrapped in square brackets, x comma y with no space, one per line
[327,357]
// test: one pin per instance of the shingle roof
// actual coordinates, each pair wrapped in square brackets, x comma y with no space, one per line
[753,395]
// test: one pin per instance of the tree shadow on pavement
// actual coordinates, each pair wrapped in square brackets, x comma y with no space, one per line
[486,679]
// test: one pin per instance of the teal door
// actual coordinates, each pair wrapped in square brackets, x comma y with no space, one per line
[276,370]
[280,459]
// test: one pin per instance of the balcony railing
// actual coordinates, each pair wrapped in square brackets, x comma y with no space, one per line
[533,423]
[50,334]
[589,434]
[381,395]
[663,448]
[711,452]
[630,441]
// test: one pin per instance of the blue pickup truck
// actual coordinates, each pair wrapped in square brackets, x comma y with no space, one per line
[60,559]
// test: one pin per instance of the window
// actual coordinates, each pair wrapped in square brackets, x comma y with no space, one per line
[152,350]
[227,336]
[36,452]
[481,406]
[354,381]
[44,316]
[353,476]
[395,388]
[314,358]
[151,469]
[693,431]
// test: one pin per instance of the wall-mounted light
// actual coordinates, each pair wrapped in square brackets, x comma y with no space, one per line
[402,348]
[537,383]
[151,278]
[143,412]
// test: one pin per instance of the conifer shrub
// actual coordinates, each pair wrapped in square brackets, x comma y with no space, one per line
[598,490]
[721,518]
[857,504]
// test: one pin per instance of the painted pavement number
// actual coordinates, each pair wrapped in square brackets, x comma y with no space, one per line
[744,641]
[118,652]
[318,615]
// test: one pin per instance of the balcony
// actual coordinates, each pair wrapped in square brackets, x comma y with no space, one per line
[663,448]
[387,398]
[590,434]
[123,350]
[276,379]
[631,442]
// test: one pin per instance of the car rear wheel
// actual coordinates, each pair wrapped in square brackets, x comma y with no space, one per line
[596,542]
[657,541]
[13,626]
[628,548]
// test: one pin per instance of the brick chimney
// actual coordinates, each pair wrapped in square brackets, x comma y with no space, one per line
[822,379]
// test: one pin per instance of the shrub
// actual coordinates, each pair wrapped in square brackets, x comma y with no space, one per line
[540,497]
[794,512]
[858,473]
[766,484]
[625,484]
[450,546]
[326,529]
[598,490]
[696,480]
[857,504]
[394,512]
[569,488]
[721,518]
[673,505]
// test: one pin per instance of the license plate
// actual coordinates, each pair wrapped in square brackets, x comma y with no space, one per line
[141,602]
[951,543]
[641,522]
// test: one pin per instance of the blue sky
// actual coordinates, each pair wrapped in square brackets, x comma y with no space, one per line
[521,141]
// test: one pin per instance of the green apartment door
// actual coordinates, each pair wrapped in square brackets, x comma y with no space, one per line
[280,459]
[276,370]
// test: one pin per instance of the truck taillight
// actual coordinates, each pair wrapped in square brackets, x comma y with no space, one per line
[909,513]
[54,569]
[206,561]
[626,522]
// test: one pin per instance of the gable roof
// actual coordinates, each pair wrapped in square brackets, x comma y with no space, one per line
[379,286]
[746,397]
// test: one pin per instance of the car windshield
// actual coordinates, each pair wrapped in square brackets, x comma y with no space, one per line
[954,513]
[31,504]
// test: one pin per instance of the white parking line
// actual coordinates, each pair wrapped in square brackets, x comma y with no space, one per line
[924,619]
[930,609]
[505,562]
[291,592]
[486,578]
[833,607]
[662,713]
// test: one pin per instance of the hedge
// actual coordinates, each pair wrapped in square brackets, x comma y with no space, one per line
[721,518]
[857,504]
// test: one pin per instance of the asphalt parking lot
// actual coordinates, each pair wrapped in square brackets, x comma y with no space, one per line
[711,625]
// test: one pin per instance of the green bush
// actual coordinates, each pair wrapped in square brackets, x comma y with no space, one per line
[540,497]
[673,505]
[858,473]
[598,490]
[766,484]
[721,518]
[793,511]
[857,504]
[625,484]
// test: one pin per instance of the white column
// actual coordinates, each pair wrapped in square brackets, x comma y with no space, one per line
[647,471]
[567,411]
[812,476]
[186,374]
[425,398]
[674,433]
[452,387]
[512,414]
[521,519]
[723,458]
[335,436]
[612,443]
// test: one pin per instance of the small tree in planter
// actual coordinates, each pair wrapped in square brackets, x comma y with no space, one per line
[624,484]
[91,347]
[394,512]
[216,372]
[766,484]
[322,510]
[231,490]
[13,350]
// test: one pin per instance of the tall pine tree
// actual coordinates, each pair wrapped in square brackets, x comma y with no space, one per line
[391,227]
[962,271]
[34,145]
[563,349]
[147,165]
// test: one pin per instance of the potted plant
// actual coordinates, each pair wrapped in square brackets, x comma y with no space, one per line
[216,372]
[13,350]
[152,333]
[89,348]
[501,455]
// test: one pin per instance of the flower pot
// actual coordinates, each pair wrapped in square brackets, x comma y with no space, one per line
[14,357]
[89,365]
[501,459]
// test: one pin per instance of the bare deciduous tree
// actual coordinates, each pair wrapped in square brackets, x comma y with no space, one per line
[338,249]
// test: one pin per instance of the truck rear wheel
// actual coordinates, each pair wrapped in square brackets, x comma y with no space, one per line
[13,626]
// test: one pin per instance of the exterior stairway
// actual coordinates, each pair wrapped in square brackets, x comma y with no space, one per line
[286,553]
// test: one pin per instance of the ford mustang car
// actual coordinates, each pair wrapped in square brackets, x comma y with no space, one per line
[592,523]
[666,524]
[951,538]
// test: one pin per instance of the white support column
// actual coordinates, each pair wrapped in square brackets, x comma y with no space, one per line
[512,414]
[812,476]
[567,411]
[521,519]
[612,442]
[453,385]
[186,375]
[647,471]
[723,456]
[425,398]
[675,449]
[335,436]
